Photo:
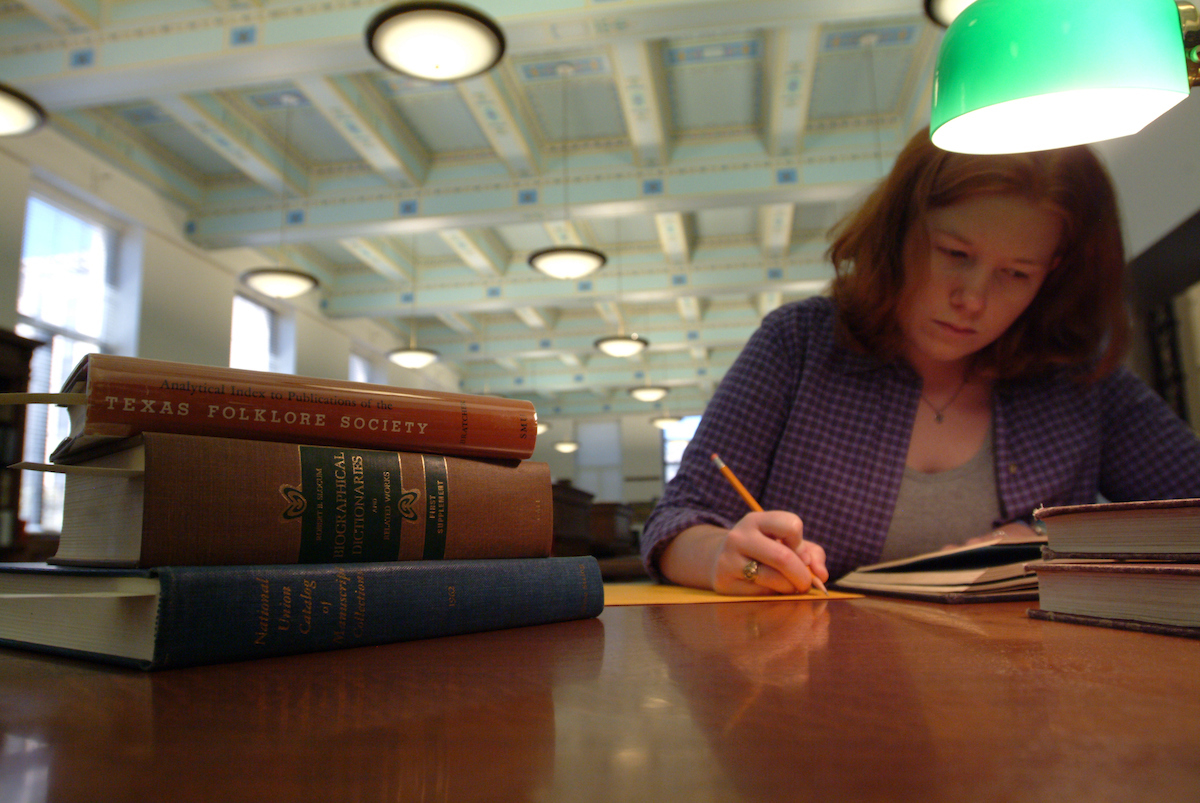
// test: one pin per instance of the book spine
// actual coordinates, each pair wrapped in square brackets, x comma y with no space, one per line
[212,615]
[1114,623]
[1063,555]
[210,501]
[128,395]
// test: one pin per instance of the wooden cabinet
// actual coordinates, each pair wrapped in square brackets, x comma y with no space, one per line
[611,528]
[572,520]
[583,526]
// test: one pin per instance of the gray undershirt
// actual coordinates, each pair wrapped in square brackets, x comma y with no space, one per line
[948,507]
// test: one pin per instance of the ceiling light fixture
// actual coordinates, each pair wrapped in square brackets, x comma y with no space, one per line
[281,281]
[435,41]
[943,12]
[19,113]
[1024,75]
[621,344]
[566,261]
[649,393]
[568,444]
[665,421]
[413,357]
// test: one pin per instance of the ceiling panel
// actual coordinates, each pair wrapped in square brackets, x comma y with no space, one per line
[709,143]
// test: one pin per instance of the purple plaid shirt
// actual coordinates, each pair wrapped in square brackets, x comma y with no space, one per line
[814,428]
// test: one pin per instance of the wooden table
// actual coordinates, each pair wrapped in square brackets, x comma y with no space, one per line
[836,701]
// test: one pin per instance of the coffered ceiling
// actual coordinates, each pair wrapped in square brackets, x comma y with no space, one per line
[705,146]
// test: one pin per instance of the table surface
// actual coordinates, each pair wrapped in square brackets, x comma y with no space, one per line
[841,700]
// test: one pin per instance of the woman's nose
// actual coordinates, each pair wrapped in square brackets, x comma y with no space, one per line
[970,290]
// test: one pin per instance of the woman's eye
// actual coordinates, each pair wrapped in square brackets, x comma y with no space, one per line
[1013,273]
[953,253]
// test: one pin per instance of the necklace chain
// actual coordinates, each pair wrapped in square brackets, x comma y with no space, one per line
[940,415]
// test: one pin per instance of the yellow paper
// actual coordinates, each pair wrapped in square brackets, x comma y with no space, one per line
[658,594]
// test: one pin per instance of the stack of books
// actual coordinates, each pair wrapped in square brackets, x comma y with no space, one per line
[1127,565]
[214,514]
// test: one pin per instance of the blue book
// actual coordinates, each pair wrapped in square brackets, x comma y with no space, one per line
[186,615]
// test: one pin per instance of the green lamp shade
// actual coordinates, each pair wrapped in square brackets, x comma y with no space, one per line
[1026,75]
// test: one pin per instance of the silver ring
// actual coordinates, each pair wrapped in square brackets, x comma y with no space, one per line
[750,570]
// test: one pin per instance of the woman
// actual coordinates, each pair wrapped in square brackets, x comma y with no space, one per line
[963,372]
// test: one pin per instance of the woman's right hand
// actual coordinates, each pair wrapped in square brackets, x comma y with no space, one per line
[707,556]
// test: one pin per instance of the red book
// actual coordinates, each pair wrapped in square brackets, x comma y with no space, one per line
[112,397]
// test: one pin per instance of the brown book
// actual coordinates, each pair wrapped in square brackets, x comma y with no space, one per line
[986,571]
[1161,529]
[170,499]
[113,397]
[1149,597]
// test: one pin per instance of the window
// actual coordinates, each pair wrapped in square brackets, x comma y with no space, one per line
[67,294]
[254,339]
[598,462]
[675,439]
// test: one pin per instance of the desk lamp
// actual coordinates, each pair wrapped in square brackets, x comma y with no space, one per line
[1026,75]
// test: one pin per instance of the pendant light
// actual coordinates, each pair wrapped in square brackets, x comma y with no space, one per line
[413,357]
[281,281]
[568,444]
[621,344]
[665,421]
[649,393]
[943,12]
[19,113]
[435,41]
[1024,75]
[566,261]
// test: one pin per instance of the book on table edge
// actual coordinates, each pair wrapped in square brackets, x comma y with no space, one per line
[169,499]
[1157,529]
[177,616]
[1026,592]
[1114,624]
[1158,597]
[987,571]
[113,397]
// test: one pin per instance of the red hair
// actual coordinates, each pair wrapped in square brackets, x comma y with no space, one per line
[1079,317]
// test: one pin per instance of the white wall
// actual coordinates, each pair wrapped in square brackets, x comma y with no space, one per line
[1157,174]
[641,451]
[187,304]
[14,181]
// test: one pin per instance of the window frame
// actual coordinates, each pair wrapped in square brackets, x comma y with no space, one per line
[40,504]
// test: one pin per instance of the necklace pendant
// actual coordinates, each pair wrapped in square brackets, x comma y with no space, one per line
[937,417]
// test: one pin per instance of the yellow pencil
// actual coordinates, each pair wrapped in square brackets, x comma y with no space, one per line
[754,505]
